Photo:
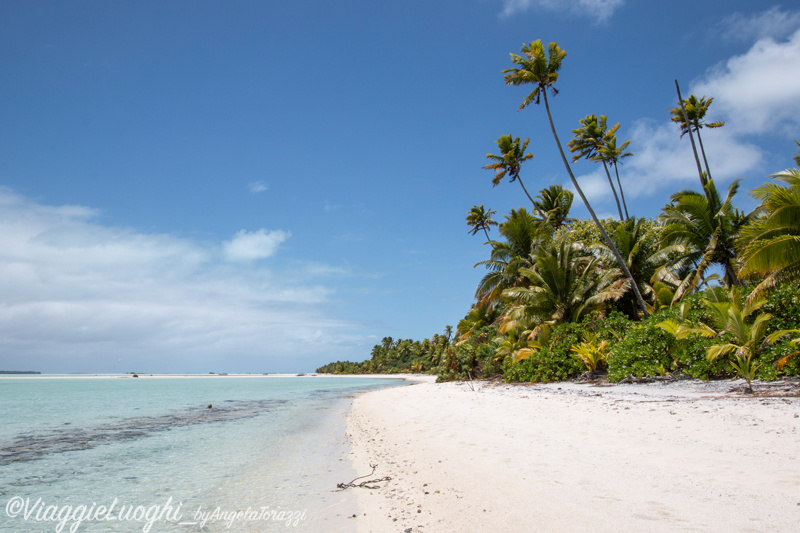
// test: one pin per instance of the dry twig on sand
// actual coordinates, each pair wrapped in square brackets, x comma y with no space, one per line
[364,484]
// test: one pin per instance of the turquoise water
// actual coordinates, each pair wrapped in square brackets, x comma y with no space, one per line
[265,457]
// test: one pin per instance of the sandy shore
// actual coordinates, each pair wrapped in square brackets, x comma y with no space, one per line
[564,457]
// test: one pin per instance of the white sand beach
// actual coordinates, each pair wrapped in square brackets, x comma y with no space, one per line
[685,456]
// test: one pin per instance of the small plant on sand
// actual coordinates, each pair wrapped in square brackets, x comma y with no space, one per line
[591,352]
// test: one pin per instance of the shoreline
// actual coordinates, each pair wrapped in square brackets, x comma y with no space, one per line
[400,377]
[683,456]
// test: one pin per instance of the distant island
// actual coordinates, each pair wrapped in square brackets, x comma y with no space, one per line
[19,372]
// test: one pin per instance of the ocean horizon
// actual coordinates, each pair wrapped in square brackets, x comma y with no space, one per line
[176,453]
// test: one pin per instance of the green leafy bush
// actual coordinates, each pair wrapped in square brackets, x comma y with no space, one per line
[543,366]
[555,361]
[646,350]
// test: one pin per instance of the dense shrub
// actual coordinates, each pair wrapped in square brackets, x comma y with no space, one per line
[555,362]
[645,350]
[544,366]
[648,351]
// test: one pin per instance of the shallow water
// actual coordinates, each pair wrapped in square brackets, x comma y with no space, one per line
[270,449]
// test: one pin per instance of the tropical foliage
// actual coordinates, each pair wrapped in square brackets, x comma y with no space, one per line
[703,290]
[770,245]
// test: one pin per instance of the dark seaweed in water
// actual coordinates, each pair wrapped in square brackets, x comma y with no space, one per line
[33,446]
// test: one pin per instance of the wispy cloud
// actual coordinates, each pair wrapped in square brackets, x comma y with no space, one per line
[663,162]
[257,187]
[774,23]
[754,93]
[758,90]
[600,10]
[78,295]
[249,246]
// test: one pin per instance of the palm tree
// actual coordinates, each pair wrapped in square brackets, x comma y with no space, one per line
[696,110]
[474,323]
[703,227]
[480,218]
[613,155]
[564,284]
[771,244]
[509,162]
[522,233]
[682,106]
[637,241]
[588,141]
[555,202]
[541,70]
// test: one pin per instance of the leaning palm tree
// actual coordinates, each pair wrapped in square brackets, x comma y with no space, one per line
[613,155]
[509,162]
[588,141]
[480,218]
[540,69]
[555,202]
[703,227]
[696,109]
[771,243]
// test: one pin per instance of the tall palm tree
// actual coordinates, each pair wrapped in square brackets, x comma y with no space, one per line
[521,234]
[613,155]
[509,162]
[588,141]
[771,243]
[704,227]
[696,109]
[555,202]
[540,69]
[480,218]
[564,284]
[681,104]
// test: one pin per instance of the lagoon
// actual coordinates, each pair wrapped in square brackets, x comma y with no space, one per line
[210,453]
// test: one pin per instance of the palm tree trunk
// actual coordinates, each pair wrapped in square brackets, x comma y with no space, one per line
[610,244]
[541,215]
[613,189]
[703,150]
[622,194]
[486,232]
[691,137]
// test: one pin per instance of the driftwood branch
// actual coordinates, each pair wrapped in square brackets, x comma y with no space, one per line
[364,484]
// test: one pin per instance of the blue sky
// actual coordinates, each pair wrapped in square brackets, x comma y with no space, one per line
[194,186]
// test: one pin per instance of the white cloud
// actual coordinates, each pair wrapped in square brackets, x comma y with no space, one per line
[249,246]
[663,161]
[78,296]
[600,10]
[774,23]
[759,90]
[257,186]
[754,93]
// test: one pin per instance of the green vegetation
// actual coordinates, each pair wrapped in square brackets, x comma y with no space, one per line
[704,290]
